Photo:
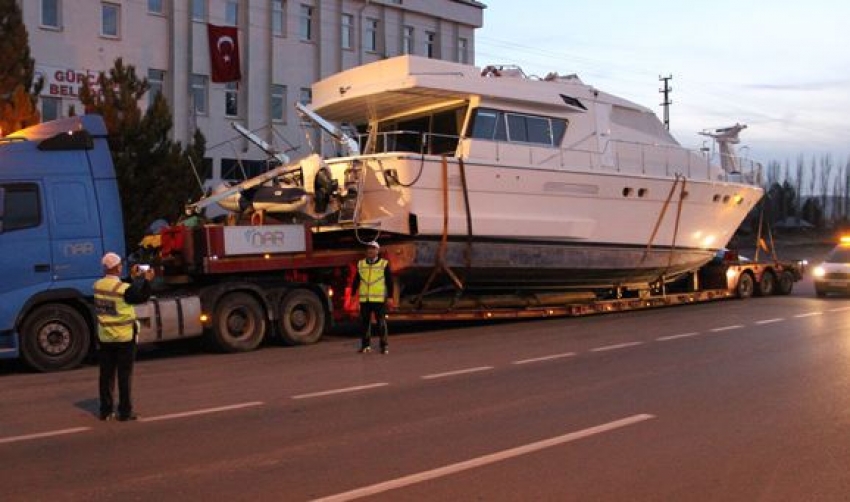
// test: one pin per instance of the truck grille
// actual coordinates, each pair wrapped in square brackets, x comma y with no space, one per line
[838,275]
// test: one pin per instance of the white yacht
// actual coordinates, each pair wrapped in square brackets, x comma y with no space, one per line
[485,178]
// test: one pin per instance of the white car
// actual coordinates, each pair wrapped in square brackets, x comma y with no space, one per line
[833,275]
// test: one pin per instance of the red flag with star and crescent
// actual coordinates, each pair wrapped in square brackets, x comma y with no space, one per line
[224,53]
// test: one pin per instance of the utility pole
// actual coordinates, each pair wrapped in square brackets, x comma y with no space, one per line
[666,90]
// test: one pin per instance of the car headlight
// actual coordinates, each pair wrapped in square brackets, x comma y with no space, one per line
[818,272]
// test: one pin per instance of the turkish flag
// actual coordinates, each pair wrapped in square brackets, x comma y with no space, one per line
[224,53]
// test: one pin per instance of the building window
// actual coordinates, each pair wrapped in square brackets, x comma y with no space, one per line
[278,103]
[278,17]
[51,13]
[156,6]
[407,40]
[462,50]
[430,44]
[306,23]
[199,94]
[305,96]
[199,10]
[51,108]
[231,13]
[111,20]
[347,34]
[231,99]
[156,81]
[370,35]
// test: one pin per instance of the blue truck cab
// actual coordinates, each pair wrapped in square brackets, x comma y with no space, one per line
[59,212]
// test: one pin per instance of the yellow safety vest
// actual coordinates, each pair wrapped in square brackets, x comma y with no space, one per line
[115,317]
[372,285]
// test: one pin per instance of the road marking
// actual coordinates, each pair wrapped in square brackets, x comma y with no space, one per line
[615,347]
[492,458]
[457,372]
[770,321]
[544,358]
[809,314]
[206,411]
[340,391]
[40,435]
[676,337]
[726,328]
[842,309]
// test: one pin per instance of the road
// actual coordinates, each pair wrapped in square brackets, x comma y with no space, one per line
[733,400]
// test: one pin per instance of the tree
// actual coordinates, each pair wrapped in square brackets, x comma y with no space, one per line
[18,96]
[154,175]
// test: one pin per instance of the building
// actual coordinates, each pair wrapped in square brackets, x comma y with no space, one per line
[283,46]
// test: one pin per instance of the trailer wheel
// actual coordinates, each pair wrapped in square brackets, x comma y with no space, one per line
[302,318]
[767,284]
[54,337]
[238,324]
[785,284]
[746,286]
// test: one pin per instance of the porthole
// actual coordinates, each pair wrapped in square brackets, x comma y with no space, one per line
[627,191]
[685,195]
[642,192]
[725,199]
[716,197]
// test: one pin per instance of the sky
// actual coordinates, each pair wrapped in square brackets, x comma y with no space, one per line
[781,67]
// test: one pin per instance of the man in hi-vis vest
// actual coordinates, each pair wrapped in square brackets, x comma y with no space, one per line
[116,332]
[373,283]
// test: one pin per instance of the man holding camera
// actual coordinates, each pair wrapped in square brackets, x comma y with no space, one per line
[116,332]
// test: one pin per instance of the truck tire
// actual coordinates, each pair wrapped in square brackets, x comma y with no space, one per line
[301,317]
[767,284]
[54,337]
[745,287]
[239,324]
[785,284]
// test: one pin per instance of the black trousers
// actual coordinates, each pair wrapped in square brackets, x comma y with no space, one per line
[116,360]
[380,311]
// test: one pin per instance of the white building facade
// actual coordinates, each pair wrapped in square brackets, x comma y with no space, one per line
[284,46]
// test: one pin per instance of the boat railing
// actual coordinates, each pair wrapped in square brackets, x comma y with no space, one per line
[617,155]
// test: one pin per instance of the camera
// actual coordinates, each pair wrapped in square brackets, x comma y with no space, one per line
[144,268]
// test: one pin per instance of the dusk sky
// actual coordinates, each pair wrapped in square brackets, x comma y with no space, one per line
[781,67]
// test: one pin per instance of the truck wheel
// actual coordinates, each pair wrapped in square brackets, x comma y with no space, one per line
[54,337]
[785,284]
[238,324]
[767,284]
[745,286]
[302,318]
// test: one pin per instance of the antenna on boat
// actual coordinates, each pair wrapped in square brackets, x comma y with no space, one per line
[666,90]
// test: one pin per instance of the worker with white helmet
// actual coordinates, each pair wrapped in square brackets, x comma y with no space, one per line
[374,286]
[116,332]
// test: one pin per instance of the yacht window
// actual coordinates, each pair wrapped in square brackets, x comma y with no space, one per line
[559,127]
[517,131]
[538,131]
[484,124]
[500,126]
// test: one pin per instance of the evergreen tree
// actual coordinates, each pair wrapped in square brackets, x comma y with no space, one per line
[154,175]
[18,96]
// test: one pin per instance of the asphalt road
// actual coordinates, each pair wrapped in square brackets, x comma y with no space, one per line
[733,400]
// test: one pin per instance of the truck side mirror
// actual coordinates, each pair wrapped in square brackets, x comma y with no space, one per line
[2,207]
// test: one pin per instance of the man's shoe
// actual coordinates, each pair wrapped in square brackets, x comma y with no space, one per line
[128,418]
[385,350]
[106,417]
[365,350]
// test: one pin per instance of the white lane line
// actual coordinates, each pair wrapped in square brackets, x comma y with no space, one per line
[615,347]
[676,337]
[340,391]
[492,458]
[40,435]
[842,309]
[770,321]
[205,411]
[544,358]
[726,328]
[808,314]
[457,372]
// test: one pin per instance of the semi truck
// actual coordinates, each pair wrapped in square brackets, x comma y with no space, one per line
[234,284]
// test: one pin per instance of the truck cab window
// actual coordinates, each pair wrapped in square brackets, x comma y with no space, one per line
[21,207]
